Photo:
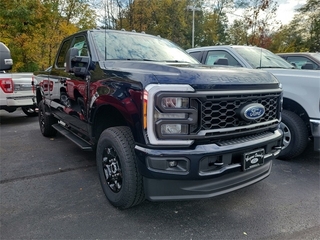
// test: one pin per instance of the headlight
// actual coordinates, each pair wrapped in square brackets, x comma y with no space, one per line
[174,102]
[168,114]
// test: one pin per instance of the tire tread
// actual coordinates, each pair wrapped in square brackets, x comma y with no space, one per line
[299,133]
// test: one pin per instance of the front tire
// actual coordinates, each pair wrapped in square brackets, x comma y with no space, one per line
[117,166]
[295,135]
[46,120]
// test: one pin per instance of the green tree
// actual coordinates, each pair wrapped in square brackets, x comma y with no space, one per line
[311,16]
[238,34]
[288,38]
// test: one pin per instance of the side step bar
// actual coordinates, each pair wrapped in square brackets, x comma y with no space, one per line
[84,145]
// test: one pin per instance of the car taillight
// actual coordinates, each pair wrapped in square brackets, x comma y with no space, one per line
[47,85]
[7,85]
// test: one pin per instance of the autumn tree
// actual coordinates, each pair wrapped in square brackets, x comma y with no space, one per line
[256,24]
[63,17]
[302,33]
[167,18]
[33,29]
[18,21]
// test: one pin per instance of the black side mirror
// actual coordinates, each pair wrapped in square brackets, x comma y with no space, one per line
[72,53]
[5,58]
[77,64]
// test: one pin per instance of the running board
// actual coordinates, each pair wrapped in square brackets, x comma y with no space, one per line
[84,145]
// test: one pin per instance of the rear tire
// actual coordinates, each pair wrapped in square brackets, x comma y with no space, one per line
[46,120]
[295,137]
[117,166]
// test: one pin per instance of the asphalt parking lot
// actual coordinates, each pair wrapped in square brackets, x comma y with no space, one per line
[49,189]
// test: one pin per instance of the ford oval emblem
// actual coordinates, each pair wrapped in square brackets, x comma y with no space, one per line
[252,111]
[255,160]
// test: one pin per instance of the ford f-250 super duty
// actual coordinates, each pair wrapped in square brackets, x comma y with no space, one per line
[301,91]
[163,126]
[15,88]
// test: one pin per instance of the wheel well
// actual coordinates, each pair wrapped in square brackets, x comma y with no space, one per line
[76,94]
[63,89]
[295,107]
[105,117]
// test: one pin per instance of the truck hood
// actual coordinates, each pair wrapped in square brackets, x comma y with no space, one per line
[197,75]
[294,72]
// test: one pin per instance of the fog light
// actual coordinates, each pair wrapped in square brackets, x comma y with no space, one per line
[174,129]
[173,163]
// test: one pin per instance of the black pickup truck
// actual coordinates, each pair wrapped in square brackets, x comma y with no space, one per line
[164,126]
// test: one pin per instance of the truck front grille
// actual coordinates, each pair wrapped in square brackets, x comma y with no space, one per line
[219,113]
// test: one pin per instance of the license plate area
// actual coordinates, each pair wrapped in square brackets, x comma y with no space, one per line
[253,159]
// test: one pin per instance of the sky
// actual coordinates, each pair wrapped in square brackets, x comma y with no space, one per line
[286,9]
[285,12]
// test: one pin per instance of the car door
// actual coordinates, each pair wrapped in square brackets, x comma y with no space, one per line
[73,89]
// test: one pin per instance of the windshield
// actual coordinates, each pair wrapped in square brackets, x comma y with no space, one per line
[128,46]
[262,58]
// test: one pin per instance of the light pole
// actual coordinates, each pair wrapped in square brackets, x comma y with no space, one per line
[193,9]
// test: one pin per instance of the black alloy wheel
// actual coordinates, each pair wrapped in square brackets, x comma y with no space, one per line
[112,169]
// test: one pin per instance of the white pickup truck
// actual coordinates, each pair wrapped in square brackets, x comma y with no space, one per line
[16,89]
[301,91]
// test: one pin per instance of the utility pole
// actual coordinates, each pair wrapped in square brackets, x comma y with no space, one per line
[193,9]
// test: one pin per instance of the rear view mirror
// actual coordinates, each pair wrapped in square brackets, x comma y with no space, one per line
[5,58]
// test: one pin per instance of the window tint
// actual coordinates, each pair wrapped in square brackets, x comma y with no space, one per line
[300,62]
[81,43]
[214,56]
[196,55]
[62,54]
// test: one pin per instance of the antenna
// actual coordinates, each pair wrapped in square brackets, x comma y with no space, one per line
[105,30]
[260,56]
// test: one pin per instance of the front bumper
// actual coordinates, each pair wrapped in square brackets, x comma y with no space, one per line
[159,190]
[205,171]
[315,131]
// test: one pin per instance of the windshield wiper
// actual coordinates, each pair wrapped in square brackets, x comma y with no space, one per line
[175,61]
[138,59]
[133,59]
[268,67]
